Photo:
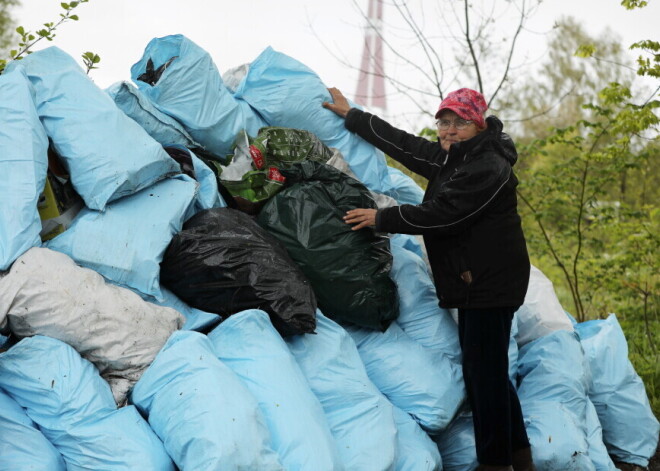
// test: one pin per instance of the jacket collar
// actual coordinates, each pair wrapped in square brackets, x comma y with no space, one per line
[490,138]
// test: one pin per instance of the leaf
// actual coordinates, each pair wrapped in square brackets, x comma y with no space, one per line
[74,17]
[632,4]
[20,30]
[585,50]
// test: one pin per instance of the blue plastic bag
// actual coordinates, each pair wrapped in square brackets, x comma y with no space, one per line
[206,417]
[23,446]
[74,408]
[552,393]
[248,343]
[409,375]
[420,315]
[289,94]
[457,445]
[208,196]
[163,128]
[190,89]
[415,449]
[432,327]
[23,166]
[597,450]
[107,154]
[558,441]
[411,243]
[404,189]
[630,430]
[126,242]
[360,417]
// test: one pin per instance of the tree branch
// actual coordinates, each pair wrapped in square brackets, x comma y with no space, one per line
[475,61]
[523,17]
[553,252]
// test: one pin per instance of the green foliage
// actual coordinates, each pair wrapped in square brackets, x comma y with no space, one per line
[90,60]
[632,4]
[585,50]
[581,217]
[589,192]
[29,38]
[649,66]
[577,66]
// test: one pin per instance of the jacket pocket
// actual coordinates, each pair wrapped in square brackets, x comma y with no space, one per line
[466,277]
[464,265]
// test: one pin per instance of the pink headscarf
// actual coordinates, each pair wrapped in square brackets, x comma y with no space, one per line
[467,103]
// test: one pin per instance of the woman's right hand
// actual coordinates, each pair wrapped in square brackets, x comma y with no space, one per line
[340,104]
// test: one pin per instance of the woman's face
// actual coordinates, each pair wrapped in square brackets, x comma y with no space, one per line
[451,135]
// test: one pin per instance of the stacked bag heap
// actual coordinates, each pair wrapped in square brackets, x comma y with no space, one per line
[197,302]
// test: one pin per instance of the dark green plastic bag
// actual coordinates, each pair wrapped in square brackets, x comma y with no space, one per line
[349,270]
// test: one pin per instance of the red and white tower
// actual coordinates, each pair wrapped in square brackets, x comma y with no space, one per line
[371,82]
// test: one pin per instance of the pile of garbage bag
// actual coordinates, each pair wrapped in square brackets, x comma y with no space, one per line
[253,171]
[349,270]
[167,324]
[223,262]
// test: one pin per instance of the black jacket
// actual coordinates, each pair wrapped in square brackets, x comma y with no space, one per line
[468,216]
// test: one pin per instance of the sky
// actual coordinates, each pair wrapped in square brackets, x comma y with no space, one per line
[323,35]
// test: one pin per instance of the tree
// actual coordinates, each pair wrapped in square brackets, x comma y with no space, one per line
[563,82]
[6,22]
[582,213]
[462,46]
[28,38]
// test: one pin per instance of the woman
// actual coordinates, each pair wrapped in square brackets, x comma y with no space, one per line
[476,249]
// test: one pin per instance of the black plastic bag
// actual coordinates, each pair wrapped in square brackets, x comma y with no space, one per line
[349,270]
[223,262]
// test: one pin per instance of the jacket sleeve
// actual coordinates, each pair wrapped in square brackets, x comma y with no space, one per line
[455,204]
[417,153]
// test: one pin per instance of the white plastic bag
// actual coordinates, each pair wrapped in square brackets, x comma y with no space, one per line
[541,313]
[46,293]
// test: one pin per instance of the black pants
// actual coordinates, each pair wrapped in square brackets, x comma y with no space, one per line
[498,422]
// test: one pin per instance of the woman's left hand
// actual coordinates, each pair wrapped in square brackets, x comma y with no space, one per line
[361,217]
